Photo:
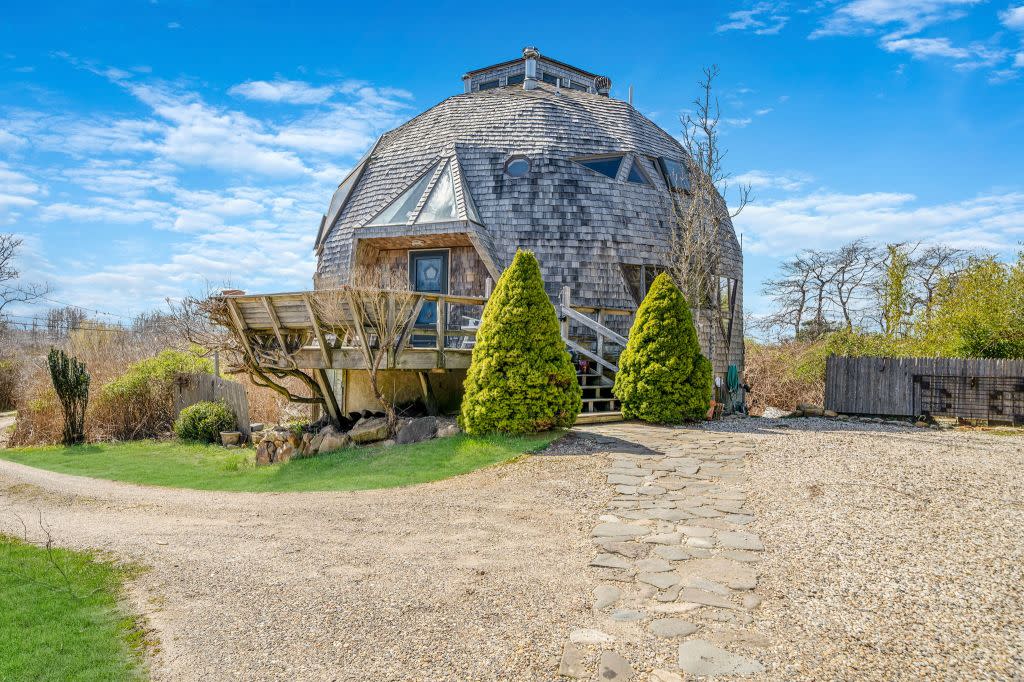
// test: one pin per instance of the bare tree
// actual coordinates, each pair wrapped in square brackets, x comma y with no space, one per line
[695,261]
[375,312]
[853,269]
[934,263]
[206,322]
[11,291]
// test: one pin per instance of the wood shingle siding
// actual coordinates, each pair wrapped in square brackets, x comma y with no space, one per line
[581,224]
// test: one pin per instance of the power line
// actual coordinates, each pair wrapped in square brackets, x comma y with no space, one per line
[65,303]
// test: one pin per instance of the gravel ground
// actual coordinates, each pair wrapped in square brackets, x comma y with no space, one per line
[478,577]
[892,552]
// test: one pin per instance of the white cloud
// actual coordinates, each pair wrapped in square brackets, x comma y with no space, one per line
[758,179]
[8,139]
[291,92]
[762,112]
[173,25]
[901,17]
[824,219]
[764,18]
[1013,18]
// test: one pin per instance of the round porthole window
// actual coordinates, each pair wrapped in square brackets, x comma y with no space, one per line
[517,166]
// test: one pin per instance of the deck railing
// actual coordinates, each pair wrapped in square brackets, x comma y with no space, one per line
[296,329]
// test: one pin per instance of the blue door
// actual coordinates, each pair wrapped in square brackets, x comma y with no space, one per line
[428,272]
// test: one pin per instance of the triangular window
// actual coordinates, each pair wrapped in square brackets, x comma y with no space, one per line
[636,175]
[399,211]
[608,165]
[440,206]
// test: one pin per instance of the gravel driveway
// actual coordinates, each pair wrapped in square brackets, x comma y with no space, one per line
[892,552]
[889,553]
[477,577]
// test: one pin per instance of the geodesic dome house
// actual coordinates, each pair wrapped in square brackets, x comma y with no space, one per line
[534,154]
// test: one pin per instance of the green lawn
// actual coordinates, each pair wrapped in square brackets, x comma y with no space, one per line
[208,467]
[57,628]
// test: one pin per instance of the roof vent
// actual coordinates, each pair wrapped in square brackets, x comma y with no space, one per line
[530,54]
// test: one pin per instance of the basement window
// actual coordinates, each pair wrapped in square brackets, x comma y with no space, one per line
[607,165]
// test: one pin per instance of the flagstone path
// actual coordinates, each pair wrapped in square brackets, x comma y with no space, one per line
[677,571]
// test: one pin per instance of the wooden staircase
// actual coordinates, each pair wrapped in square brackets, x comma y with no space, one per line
[598,349]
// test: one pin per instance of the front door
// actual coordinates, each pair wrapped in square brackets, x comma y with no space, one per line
[428,272]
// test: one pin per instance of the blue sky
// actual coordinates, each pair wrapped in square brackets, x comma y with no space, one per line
[148,148]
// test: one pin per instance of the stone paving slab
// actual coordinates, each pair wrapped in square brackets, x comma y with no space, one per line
[677,570]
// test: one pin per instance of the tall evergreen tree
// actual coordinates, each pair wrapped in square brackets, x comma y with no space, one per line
[663,377]
[521,379]
[71,383]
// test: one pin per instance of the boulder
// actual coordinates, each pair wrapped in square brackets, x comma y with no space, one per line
[258,426]
[294,439]
[333,441]
[314,444]
[285,453]
[416,430]
[369,430]
[448,429]
[264,452]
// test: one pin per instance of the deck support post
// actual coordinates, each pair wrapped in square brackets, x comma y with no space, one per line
[429,401]
[330,400]
[564,298]
[442,326]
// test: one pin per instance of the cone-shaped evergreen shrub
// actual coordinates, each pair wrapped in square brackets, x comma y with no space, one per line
[663,377]
[521,378]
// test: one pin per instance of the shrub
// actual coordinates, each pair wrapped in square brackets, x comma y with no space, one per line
[139,403]
[204,421]
[521,379]
[10,371]
[785,374]
[663,377]
[71,383]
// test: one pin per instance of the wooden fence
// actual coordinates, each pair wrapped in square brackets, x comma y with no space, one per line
[190,389]
[910,387]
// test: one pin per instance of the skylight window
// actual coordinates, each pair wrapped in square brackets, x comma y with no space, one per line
[440,206]
[399,211]
[636,175]
[608,165]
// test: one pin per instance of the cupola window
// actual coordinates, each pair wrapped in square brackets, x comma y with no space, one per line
[489,85]
[516,79]
[549,78]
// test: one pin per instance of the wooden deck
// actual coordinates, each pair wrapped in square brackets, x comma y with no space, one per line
[293,330]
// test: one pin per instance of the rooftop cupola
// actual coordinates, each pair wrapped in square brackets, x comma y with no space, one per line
[533,69]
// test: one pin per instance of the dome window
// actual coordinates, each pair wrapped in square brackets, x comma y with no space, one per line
[605,165]
[517,166]
[676,176]
[636,174]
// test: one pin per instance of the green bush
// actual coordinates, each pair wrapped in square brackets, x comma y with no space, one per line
[204,421]
[138,404]
[521,379]
[663,377]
